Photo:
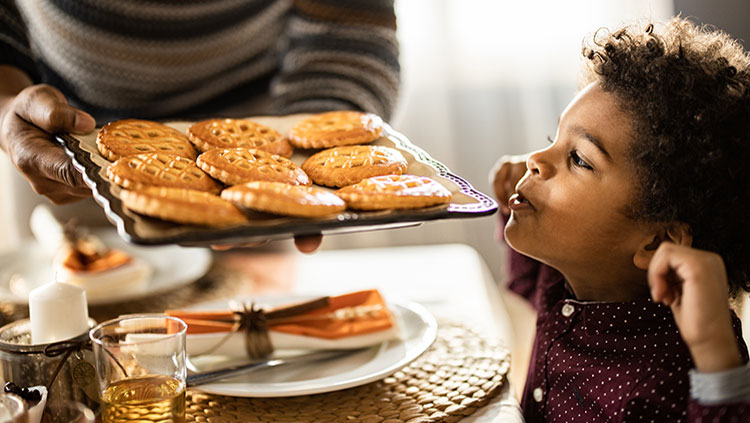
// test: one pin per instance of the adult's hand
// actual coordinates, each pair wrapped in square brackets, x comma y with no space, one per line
[307,244]
[30,118]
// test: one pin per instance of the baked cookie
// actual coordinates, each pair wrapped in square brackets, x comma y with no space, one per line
[342,166]
[333,129]
[230,133]
[284,199]
[133,136]
[183,206]
[394,192]
[239,165]
[161,170]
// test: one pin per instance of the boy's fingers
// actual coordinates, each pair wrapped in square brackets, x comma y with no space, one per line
[498,180]
[660,264]
[658,288]
[658,269]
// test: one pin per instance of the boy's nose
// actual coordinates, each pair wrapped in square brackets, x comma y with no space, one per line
[539,164]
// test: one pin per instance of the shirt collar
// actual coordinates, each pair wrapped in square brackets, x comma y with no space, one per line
[623,316]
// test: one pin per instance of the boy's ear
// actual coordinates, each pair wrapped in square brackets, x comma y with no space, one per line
[678,233]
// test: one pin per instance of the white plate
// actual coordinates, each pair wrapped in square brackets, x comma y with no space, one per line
[30,266]
[358,368]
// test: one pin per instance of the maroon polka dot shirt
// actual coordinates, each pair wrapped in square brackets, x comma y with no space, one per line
[607,362]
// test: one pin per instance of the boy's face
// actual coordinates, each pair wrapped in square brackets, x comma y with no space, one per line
[569,208]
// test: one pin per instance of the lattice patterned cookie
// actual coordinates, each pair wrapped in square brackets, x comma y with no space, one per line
[342,166]
[183,206]
[239,165]
[230,133]
[334,129]
[394,192]
[162,170]
[133,136]
[285,199]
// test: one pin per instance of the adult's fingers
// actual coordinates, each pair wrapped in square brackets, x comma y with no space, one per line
[46,108]
[59,193]
[308,243]
[225,247]
[37,158]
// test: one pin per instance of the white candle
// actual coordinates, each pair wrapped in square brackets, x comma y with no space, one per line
[58,311]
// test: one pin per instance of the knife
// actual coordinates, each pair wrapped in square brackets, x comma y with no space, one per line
[202,378]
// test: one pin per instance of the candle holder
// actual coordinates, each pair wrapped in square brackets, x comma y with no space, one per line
[67,368]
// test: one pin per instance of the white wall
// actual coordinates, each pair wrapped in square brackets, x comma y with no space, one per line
[483,78]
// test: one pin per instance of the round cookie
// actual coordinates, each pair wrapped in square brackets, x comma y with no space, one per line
[231,133]
[394,192]
[334,129]
[342,166]
[239,165]
[162,170]
[134,136]
[285,199]
[183,206]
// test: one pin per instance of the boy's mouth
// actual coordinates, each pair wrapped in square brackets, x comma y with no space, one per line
[518,202]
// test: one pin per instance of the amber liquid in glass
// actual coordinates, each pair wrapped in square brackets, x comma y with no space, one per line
[146,399]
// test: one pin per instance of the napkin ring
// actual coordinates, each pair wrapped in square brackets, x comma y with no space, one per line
[255,323]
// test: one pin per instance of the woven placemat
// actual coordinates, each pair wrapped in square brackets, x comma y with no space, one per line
[218,282]
[460,373]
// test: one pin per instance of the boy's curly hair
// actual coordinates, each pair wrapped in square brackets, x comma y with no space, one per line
[687,89]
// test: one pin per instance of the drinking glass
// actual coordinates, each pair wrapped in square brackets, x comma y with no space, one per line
[68,412]
[12,409]
[141,368]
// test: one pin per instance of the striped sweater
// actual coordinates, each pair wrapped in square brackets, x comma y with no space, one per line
[162,58]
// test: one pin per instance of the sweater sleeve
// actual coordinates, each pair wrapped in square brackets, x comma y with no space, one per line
[14,41]
[339,55]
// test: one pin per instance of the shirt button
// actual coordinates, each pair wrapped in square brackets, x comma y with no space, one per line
[567,310]
[538,394]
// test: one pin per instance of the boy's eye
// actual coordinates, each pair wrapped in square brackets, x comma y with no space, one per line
[578,161]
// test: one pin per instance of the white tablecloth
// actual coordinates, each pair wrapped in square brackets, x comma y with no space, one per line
[449,279]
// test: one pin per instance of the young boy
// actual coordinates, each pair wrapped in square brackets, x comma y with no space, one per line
[614,222]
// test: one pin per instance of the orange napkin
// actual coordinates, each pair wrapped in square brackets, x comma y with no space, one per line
[352,314]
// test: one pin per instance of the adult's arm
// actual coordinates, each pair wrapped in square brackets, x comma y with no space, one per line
[30,113]
[14,42]
[339,55]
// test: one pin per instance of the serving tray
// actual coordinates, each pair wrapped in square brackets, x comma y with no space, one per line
[466,202]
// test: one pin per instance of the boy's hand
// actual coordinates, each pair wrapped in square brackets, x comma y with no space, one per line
[504,176]
[694,284]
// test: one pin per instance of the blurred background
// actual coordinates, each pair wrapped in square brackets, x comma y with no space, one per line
[480,79]
[483,78]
